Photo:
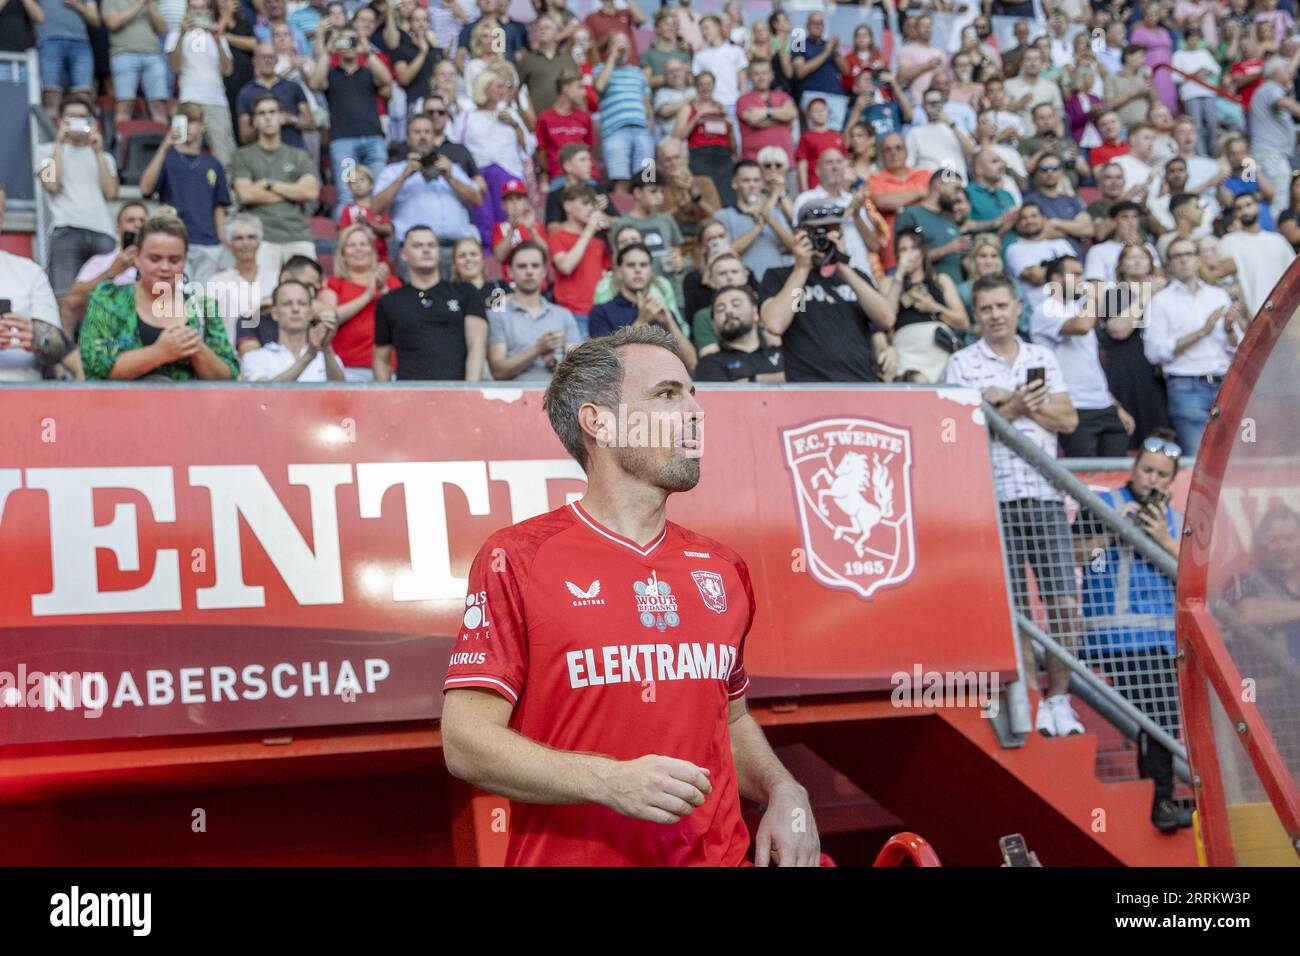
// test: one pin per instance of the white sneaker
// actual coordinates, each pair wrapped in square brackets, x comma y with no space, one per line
[1067,721]
[1045,723]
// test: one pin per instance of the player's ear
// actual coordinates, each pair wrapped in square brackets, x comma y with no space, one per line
[599,424]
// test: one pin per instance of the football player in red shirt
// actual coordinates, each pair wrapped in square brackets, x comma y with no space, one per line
[599,676]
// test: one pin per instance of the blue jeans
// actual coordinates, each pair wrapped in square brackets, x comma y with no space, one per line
[628,150]
[1190,401]
[139,73]
[837,107]
[347,154]
[63,59]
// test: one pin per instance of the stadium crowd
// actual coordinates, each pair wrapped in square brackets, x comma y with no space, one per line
[1077,212]
[361,192]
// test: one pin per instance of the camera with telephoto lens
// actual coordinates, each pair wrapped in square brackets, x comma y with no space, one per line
[817,221]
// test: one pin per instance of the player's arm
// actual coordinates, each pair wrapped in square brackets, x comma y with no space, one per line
[787,834]
[481,749]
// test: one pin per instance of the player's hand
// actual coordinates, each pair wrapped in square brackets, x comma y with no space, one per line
[787,834]
[655,788]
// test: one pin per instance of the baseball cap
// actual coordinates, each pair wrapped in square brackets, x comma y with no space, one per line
[514,187]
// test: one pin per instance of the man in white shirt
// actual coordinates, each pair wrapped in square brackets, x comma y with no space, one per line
[1027,90]
[1066,323]
[1191,334]
[30,339]
[833,188]
[1001,366]
[1027,256]
[1103,257]
[79,178]
[200,57]
[938,143]
[303,352]
[1199,103]
[1175,181]
[1203,174]
[1257,258]
[1137,162]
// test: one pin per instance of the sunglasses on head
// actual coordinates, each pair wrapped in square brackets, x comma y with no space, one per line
[1162,447]
[1049,169]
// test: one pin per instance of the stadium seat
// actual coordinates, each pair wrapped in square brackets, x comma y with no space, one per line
[622,203]
[329,195]
[137,141]
[322,227]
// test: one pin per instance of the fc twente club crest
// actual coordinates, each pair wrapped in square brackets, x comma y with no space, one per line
[712,591]
[853,484]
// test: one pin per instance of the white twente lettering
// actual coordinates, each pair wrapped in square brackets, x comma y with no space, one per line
[312,573]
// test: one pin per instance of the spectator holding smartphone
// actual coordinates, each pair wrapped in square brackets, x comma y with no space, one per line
[31,343]
[580,258]
[1122,594]
[116,266]
[194,185]
[79,177]
[1023,383]
[199,54]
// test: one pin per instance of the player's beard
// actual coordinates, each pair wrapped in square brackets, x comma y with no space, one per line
[669,473]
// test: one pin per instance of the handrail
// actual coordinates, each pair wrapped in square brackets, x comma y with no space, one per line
[907,847]
[1216,90]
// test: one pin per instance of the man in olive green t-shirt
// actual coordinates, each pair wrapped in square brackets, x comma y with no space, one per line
[276,183]
[135,56]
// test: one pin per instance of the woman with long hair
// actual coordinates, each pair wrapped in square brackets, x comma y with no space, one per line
[585,56]
[467,266]
[1134,382]
[483,50]
[985,259]
[566,20]
[860,140]
[965,88]
[358,282]
[149,328]
[931,317]
[782,61]
[863,56]
[710,137]
[498,138]
[758,43]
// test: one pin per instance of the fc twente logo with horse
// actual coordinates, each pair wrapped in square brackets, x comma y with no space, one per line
[853,483]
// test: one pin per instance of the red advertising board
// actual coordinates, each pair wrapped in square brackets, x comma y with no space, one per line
[223,558]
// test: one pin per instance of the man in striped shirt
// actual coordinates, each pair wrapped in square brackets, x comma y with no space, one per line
[624,114]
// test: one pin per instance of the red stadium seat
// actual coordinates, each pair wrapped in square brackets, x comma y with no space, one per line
[323,227]
[622,203]
[329,195]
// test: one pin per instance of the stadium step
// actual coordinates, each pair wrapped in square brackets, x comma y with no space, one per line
[943,774]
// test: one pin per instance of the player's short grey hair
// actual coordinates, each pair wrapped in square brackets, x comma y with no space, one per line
[593,374]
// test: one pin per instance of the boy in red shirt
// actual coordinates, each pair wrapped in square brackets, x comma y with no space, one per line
[520,226]
[359,210]
[579,252]
[814,141]
[565,122]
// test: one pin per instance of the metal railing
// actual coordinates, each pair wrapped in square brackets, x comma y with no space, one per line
[1095,596]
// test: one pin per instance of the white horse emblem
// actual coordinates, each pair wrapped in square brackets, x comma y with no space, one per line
[853,494]
[851,479]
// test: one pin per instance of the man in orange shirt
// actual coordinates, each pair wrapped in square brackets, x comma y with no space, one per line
[899,185]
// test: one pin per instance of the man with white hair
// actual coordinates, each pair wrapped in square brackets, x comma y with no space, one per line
[1273,112]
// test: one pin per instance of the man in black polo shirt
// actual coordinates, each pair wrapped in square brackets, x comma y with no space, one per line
[832,322]
[743,356]
[438,327]
[351,89]
[297,114]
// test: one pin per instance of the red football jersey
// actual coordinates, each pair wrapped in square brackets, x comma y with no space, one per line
[607,647]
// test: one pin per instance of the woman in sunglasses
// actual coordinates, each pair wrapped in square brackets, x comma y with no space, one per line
[931,318]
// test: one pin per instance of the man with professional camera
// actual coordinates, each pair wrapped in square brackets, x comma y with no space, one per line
[431,187]
[833,322]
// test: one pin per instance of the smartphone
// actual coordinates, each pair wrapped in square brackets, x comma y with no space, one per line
[128,239]
[202,23]
[79,125]
[343,43]
[1158,497]
[856,184]
[1036,374]
[182,126]
[6,306]
[1014,851]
